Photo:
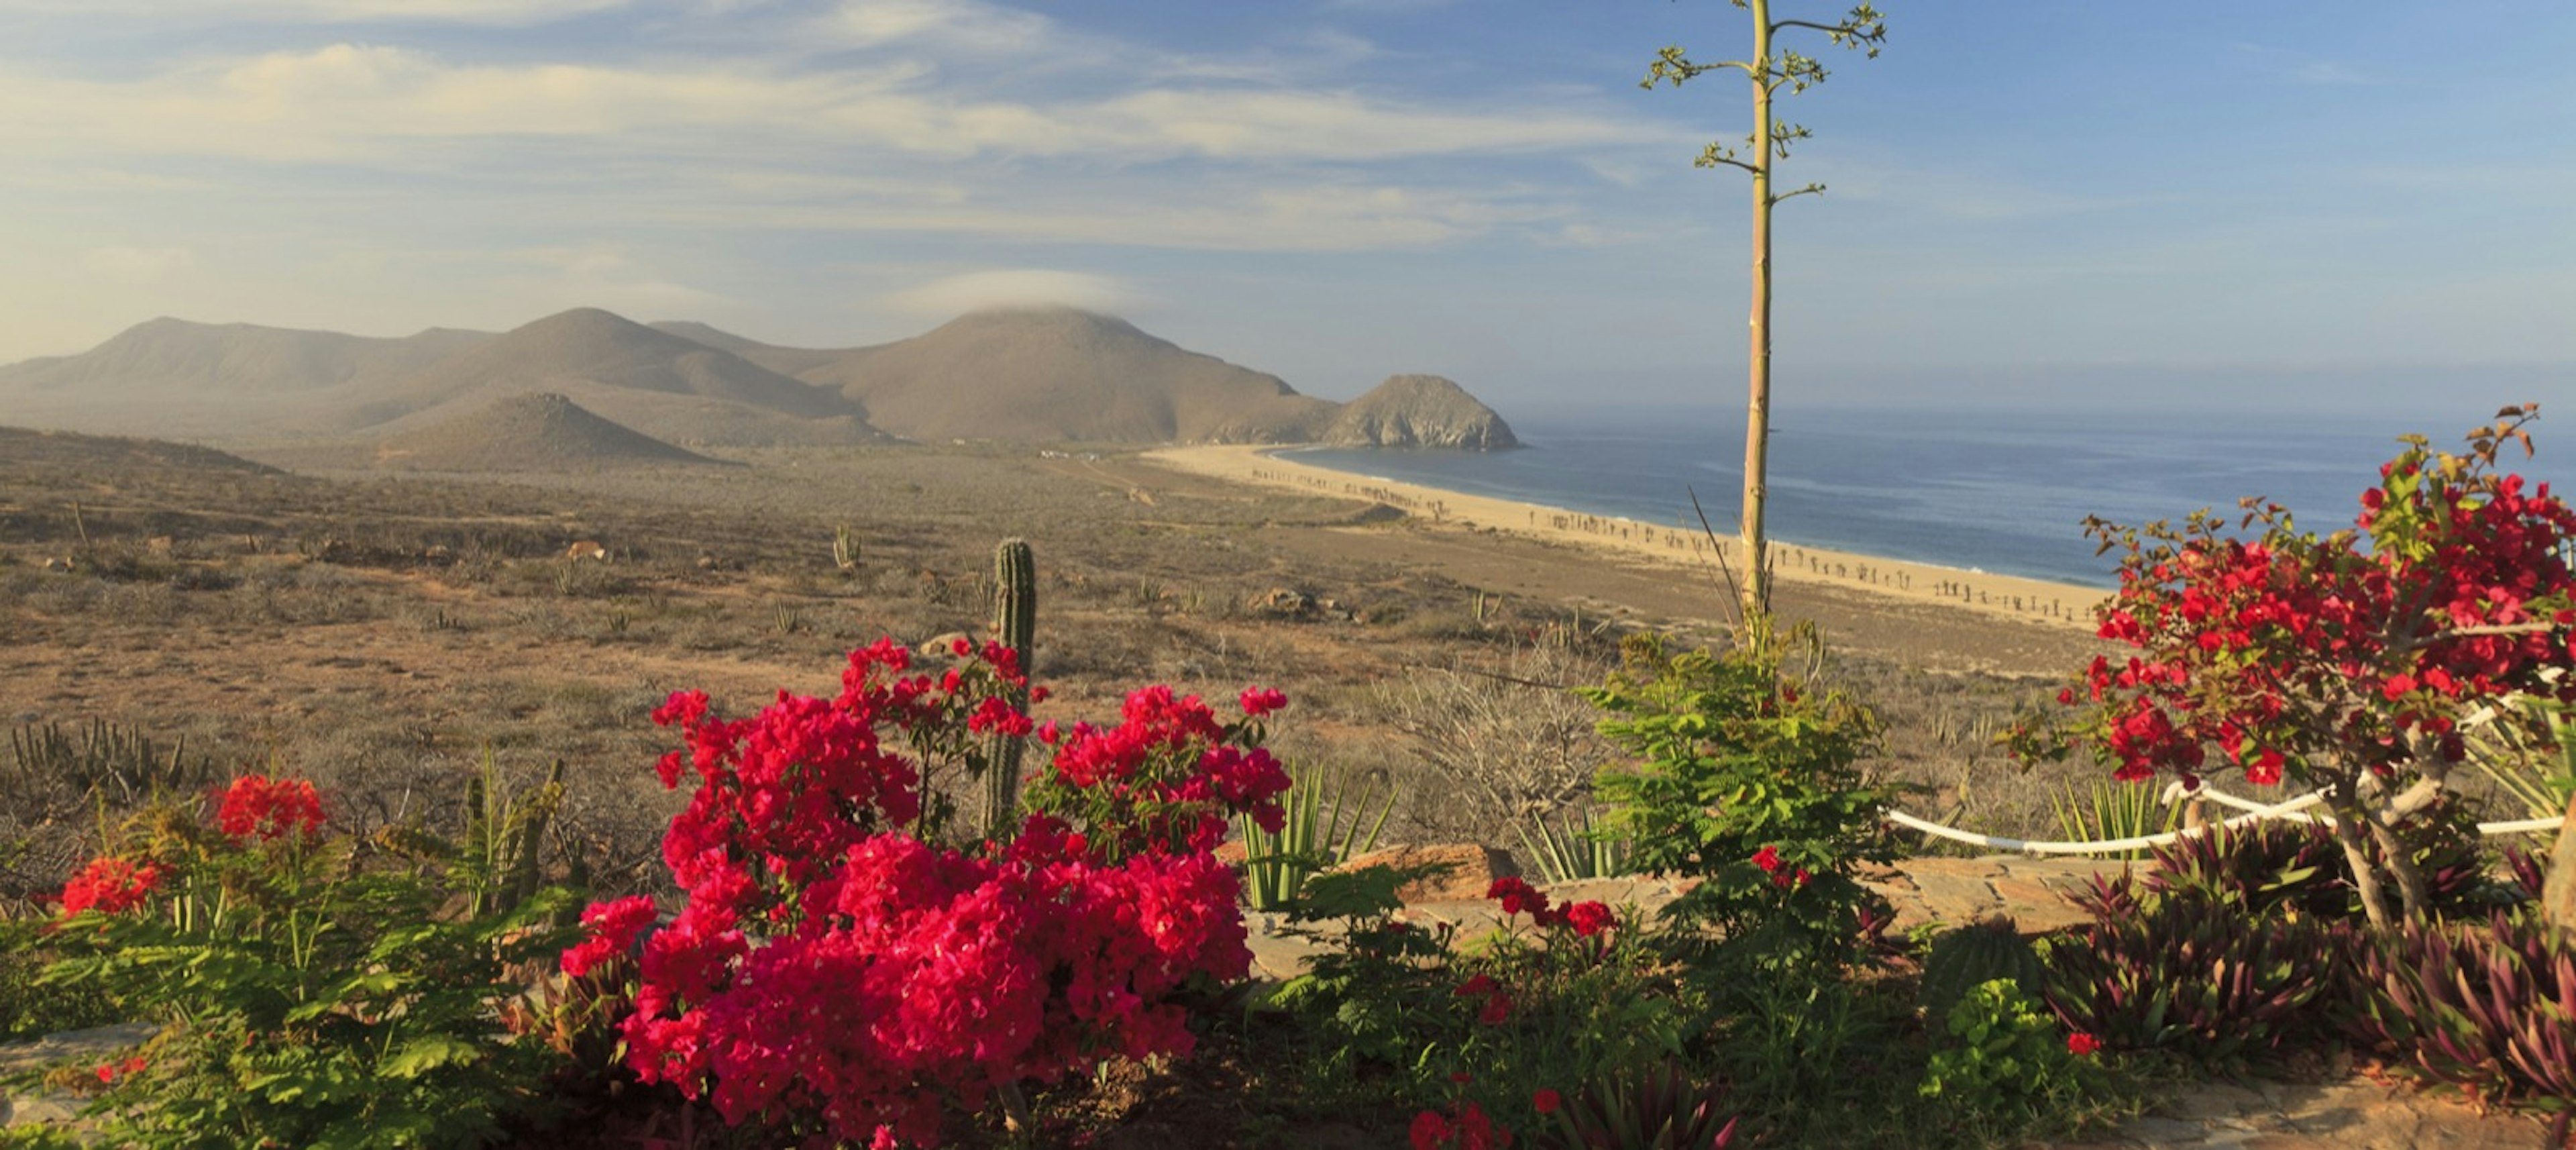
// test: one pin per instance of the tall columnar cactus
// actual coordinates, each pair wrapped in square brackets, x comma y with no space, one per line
[1966,958]
[1015,617]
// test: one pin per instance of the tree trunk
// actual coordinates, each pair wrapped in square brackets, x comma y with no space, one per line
[1757,416]
[2346,802]
[2558,894]
[2400,856]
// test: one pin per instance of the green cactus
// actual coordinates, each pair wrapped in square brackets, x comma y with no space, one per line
[1015,611]
[1972,955]
[505,835]
[845,548]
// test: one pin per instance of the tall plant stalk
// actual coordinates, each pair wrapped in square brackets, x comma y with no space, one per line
[1769,68]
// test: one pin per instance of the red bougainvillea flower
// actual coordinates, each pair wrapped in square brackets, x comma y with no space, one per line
[111,885]
[826,963]
[1589,918]
[2081,1044]
[1546,1101]
[1259,701]
[614,927]
[255,806]
[1768,858]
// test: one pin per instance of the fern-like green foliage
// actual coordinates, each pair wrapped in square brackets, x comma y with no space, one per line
[1749,777]
[2006,1072]
[312,999]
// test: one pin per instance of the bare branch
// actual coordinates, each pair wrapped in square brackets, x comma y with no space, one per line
[2422,641]
[1809,190]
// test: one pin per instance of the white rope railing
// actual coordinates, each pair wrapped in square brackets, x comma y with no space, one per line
[2256,812]
[2174,791]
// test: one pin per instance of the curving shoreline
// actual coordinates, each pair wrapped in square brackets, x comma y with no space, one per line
[2007,596]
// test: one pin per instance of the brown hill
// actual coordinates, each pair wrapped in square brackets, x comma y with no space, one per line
[236,358]
[783,360]
[169,377]
[1419,411]
[21,446]
[1062,374]
[541,431]
[658,383]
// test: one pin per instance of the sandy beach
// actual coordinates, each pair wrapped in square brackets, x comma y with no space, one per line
[2030,600]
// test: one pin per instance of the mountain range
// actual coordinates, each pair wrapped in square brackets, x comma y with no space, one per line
[1032,375]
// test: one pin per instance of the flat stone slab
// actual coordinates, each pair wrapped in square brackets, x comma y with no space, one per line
[2352,1114]
[2036,892]
[77,1047]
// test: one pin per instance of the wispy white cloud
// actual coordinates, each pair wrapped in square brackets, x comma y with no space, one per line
[1017,287]
[494,12]
[362,101]
[968,25]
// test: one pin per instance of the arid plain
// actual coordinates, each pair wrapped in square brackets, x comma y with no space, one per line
[384,633]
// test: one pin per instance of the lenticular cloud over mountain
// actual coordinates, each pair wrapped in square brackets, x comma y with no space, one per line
[1018,288]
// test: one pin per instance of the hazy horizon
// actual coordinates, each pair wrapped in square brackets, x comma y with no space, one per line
[2030,204]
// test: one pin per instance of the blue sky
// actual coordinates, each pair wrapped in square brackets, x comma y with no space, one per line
[2201,203]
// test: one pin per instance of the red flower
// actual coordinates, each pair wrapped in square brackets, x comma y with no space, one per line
[1589,918]
[1430,1130]
[1768,858]
[254,806]
[1481,984]
[110,885]
[2081,1044]
[614,927]
[1497,1011]
[1259,701]
[1546,1101]
[1516,895]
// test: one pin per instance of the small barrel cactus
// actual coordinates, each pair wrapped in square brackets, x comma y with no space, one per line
[1972,955]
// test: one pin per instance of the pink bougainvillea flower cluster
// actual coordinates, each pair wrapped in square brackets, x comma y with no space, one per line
[829,964]
[258,807]
[1169,775]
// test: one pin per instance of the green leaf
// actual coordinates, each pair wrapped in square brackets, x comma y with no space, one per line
[429,1052]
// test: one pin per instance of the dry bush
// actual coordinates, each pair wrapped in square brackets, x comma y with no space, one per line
[1508,739]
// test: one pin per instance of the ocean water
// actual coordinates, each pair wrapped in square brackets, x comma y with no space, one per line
[1997,491]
